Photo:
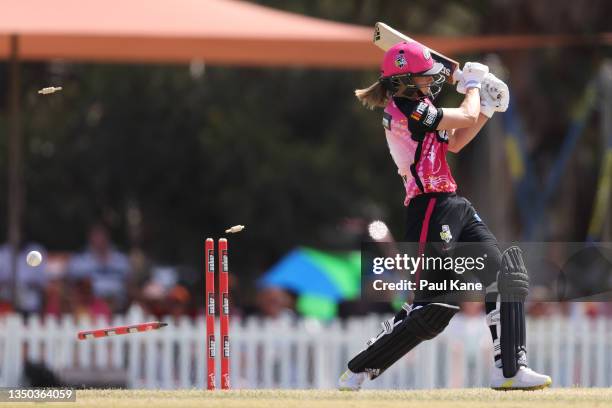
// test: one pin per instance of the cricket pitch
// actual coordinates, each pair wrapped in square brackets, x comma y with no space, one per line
[456,398]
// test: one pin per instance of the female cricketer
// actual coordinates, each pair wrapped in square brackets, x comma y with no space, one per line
[419,134]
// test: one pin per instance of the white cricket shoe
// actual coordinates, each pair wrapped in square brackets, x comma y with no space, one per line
[350,381]
[525,379]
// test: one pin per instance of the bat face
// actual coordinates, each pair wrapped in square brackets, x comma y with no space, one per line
[386,37]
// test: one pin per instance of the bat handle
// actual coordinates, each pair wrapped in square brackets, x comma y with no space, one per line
[457,75]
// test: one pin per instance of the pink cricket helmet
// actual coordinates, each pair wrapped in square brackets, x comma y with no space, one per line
[409,58]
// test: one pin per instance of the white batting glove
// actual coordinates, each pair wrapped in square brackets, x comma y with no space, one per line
[489,100]
[473,74]
[496,92]
[494,95]
[458,78]
[486,108]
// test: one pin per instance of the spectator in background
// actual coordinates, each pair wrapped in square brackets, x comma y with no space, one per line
[84,303]
[31,281]
[275,303]
[141,270]
[177,302]
[57,298]
[106,268]
[155,291]
[5,281]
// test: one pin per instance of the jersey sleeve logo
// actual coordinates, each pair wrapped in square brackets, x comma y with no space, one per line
[432,114]
[418,111]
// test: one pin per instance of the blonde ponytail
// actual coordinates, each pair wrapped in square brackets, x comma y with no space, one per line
[374,96]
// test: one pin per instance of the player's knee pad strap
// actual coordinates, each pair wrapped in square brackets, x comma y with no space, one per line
[492,317]
[420,324]
[513,286]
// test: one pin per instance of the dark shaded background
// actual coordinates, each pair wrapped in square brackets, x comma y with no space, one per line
[168,155]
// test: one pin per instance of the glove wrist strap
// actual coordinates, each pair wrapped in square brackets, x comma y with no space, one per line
[472,84]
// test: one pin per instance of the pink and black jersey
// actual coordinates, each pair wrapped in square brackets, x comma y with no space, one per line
[418,149]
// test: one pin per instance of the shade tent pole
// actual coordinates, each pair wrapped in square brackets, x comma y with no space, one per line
[15,165]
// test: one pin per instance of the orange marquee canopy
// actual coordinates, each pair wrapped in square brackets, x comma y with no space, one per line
[216,31]
[228,32]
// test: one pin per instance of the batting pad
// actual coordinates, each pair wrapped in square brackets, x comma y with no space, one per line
[513,284]
[422,323]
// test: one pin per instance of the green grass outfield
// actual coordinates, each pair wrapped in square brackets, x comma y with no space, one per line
[457,398]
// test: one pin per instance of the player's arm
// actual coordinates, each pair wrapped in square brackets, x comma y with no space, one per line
[495,97]
[459,138]
[428,118]
[465,116]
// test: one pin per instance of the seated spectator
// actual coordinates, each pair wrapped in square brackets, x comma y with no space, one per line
[5,307]
[107,268]
[178,301]
[275,303]
[141,269]
[57,298]
[162,295]
[84,303]
[31,280]
[6,278]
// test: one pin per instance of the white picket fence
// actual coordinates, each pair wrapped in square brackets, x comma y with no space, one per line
[301,354]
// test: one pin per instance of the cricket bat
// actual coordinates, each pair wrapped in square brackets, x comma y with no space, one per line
[386,37]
